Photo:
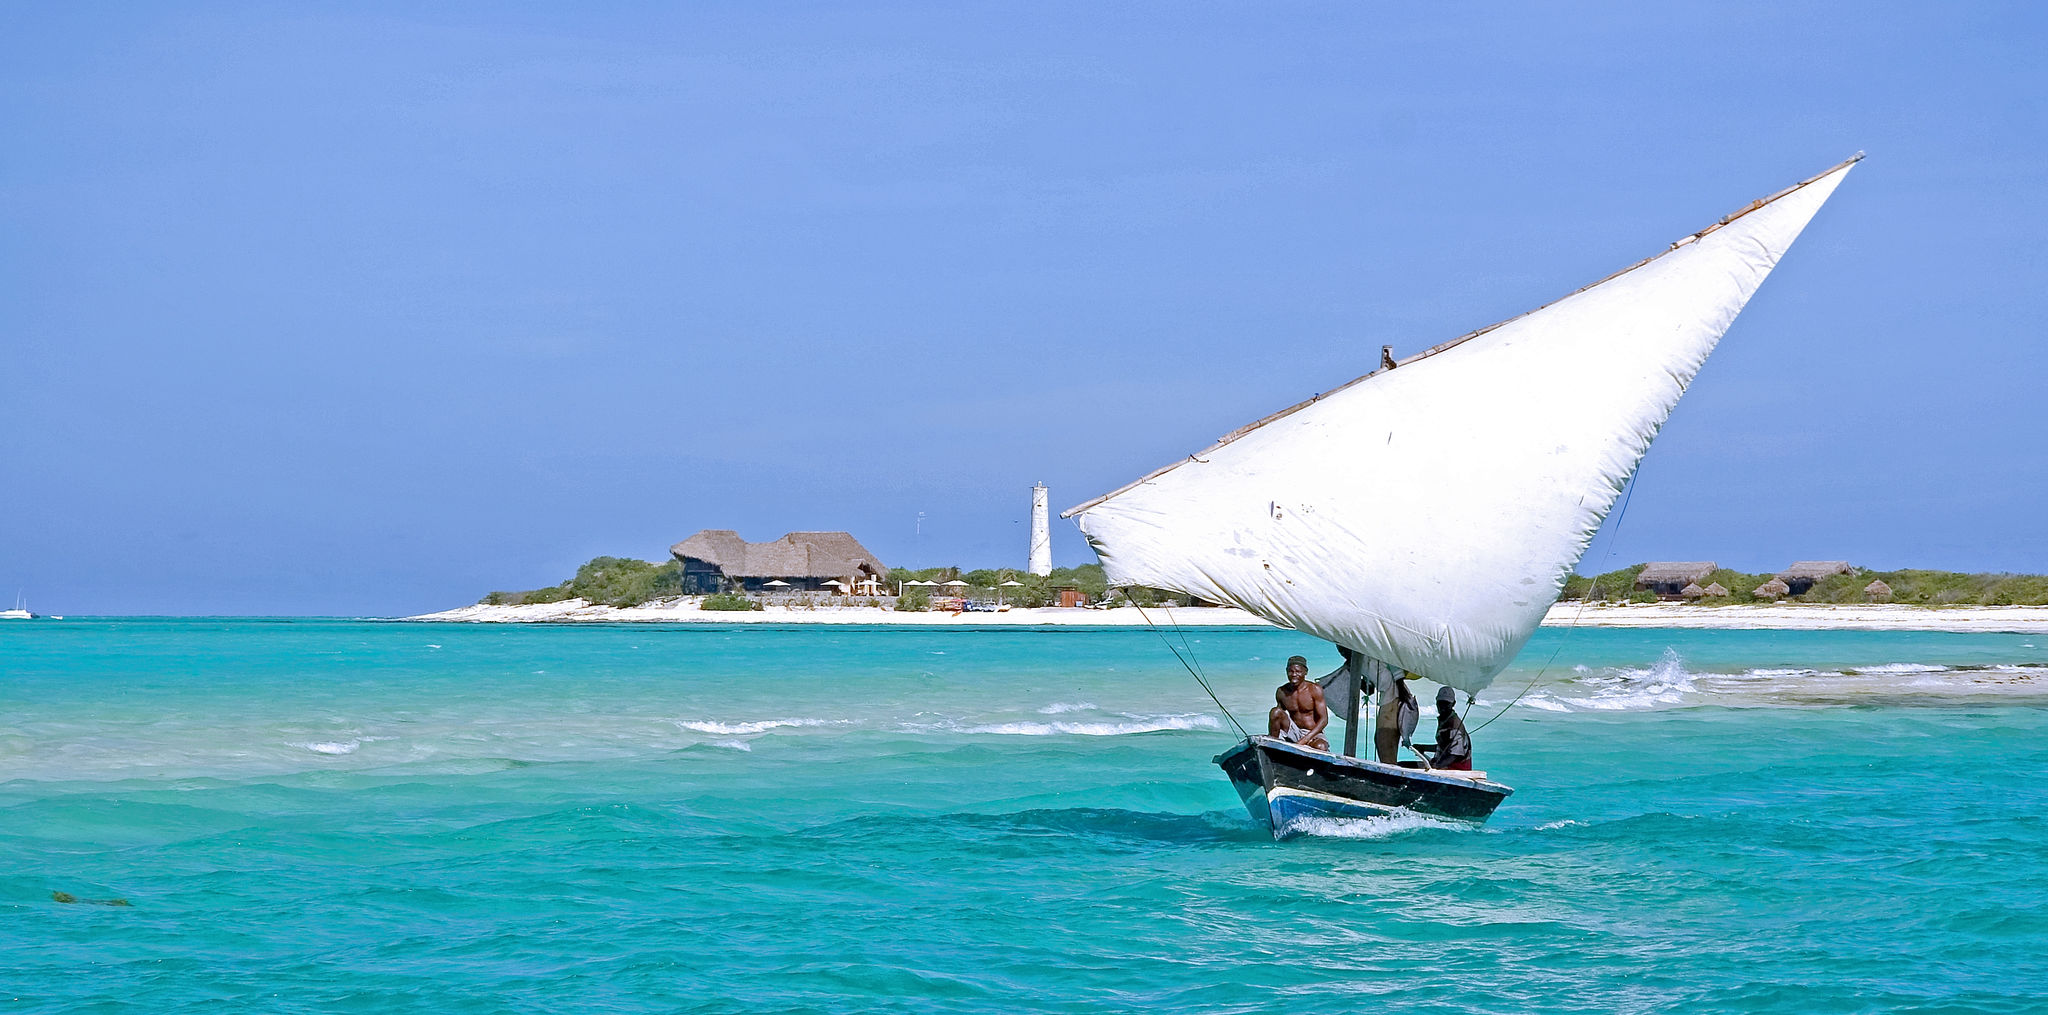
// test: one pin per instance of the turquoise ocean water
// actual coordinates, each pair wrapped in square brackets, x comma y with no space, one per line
[319,816]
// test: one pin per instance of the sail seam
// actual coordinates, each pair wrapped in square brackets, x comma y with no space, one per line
[1461,339]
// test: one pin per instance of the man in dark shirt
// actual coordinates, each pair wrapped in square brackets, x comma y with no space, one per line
[1453,744]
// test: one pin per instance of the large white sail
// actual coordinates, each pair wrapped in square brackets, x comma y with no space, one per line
[1427,514]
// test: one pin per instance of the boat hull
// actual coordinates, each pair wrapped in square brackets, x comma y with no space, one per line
[1284,784]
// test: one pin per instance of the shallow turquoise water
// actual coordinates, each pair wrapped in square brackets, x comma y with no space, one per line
[339,816]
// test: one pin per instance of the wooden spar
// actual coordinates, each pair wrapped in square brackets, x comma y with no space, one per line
[1199,457]
[1357,706]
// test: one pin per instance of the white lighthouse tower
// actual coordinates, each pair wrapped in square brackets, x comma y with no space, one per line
[1041,534]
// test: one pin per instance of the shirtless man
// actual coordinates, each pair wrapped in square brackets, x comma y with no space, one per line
[1299,714]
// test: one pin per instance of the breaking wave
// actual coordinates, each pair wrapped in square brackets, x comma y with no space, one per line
[1133,724]
[747,728]
[1669,683]
[1063,707]
[1117,725]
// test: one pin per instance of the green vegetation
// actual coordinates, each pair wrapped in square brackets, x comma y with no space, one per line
[622,581]
[1914,587]
[611,581]
[730,602]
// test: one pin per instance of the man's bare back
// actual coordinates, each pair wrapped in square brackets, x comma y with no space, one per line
[1299,714]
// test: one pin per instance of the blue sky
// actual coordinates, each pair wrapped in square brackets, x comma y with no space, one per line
[369,309]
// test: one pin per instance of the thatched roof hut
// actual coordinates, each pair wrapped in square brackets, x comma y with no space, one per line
[1692,591]
[1669,578]
[1717,589]
[1805,574]
[1772,589]
[1877,590]
[716,558]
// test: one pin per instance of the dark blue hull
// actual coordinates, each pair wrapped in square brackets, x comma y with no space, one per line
[1283,784]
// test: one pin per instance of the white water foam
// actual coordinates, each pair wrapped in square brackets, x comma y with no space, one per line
[1063,707]
[1627,689]
[333,748]
[734,745]
[1668,683]
[746,728]
[1386,826]
[1137,724]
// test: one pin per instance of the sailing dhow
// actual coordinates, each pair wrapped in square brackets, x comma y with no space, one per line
[1425,515]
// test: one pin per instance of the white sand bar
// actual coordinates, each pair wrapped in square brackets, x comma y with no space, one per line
[1809,617]
[685,611]
[1805,617]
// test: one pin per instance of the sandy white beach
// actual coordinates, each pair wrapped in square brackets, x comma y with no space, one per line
[1811,617]
[685,611]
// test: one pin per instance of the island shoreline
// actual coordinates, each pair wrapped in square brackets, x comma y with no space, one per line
[1781,616]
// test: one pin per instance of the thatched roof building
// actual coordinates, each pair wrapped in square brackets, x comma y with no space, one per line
[1717,589]
[1669,578]
[1878,590]
[1692,591]
[715,560]
[1772,589]
[1805,574]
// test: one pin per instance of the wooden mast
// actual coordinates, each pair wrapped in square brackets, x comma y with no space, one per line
[1351,662]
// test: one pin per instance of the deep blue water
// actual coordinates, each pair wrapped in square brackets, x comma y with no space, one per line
[342,816]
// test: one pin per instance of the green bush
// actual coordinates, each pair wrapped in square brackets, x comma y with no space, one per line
[611,581]
[620,581]
[914,601]
[1614,585]
[551,594]
[1935,588]
[728,602]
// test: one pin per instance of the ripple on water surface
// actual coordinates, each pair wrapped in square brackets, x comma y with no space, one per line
[338,815]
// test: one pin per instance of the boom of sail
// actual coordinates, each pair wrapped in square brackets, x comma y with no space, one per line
[1427,514]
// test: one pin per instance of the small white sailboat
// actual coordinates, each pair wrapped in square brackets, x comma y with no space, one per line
[1425,515]
[20,611]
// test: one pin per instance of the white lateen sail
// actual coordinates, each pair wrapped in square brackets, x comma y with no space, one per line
[1427,514]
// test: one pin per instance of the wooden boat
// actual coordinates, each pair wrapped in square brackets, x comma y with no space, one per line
[1282,784]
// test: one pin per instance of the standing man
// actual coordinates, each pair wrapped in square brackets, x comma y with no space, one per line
[1395,722]
[1299,714]
[1453,744]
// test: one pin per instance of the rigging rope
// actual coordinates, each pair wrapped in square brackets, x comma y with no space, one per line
[1619,517]
[1193,670]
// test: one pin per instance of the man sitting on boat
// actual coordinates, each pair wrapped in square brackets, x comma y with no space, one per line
[1299,714]
[1453,744]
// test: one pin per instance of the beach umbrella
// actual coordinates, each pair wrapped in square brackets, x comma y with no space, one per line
[1006,585]
[777,583]
[836,582]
